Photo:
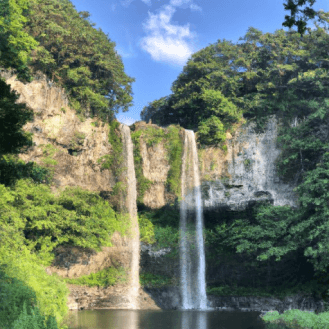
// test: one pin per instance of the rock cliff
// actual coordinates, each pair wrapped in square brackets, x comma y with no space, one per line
[231,181]
[71,146]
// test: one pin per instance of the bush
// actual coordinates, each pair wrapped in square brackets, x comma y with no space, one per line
[146,230]
[299,319]
[104,278]
[20,309]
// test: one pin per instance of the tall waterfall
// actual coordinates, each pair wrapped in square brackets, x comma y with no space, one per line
[192,254]
[131,206]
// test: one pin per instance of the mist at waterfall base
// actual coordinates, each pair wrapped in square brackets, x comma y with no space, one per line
[178,319]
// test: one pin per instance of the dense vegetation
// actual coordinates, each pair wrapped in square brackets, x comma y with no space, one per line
[172,142]
[263,74]
[293,319]
[51,36]
[34,222]
[283,74]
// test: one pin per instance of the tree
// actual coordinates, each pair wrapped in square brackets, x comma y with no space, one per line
[16,44]
[13,117]
[300,12]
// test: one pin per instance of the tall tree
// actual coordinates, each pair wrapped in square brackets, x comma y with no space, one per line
[13,117]
[300,12]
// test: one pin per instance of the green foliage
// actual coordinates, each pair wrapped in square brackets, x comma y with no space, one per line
[81,58]
[71,51]
[211,131]
[166,216]
[75,217]
[114,162]
[161,229]
[247,163]
[33,320]
[174,147]
[17,296]
[48,152]
[298,319]
[280,73]
[151,280]
[171,139]
[13,169]
[104,278]
[12,119]
[167,237]
[300,13]
[146,229]
[51,293]
[302,148]
[280,291]
[143,184]
[16,43]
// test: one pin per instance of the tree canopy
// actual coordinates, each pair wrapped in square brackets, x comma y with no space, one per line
[53,37]
[13,117]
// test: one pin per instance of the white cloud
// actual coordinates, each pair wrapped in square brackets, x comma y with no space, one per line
[126,3]
[195,7]
[126,53]
[166,41]
[126,119]
[178,3]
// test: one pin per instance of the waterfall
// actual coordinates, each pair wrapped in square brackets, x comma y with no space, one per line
[192,262]
[131,206]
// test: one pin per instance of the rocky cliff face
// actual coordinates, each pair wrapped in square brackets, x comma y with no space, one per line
[71,147]
[231,181]
[246,173]
[60,135]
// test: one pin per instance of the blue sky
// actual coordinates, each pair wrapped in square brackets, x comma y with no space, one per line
[155,38]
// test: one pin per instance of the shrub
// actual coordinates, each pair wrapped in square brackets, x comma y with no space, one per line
[104,278]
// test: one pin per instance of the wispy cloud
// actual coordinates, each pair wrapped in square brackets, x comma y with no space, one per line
[126,3]
[186,4]
[195,7]
[126,53]
[113,6]
[166,41]
[126,119]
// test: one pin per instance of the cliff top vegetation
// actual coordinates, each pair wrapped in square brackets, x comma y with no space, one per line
[52,37]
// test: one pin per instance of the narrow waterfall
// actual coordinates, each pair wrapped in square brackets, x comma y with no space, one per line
[131,206]
[192,254]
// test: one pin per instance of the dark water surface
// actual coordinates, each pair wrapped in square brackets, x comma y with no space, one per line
[131,319]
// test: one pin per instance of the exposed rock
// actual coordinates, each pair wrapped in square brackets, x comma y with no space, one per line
[115,297]
[169,298]
[243,175]
[74,148]
[155,167]
[264,304]
[78,145]
[157,262]
[246,173]
[73,262]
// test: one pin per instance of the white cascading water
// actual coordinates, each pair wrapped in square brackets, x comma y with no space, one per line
[192,264]
[131,206]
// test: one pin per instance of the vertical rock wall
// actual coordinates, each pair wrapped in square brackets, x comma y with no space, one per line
[246,173]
